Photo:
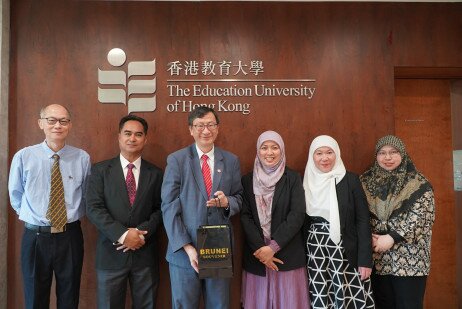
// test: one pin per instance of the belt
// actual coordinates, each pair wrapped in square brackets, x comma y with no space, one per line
[50,229]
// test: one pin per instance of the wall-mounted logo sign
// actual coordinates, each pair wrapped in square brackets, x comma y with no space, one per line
[228,86]
[225,85]
[141,87]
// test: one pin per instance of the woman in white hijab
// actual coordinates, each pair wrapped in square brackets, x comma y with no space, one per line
[339,235]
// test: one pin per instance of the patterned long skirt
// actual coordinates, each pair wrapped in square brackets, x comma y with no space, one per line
[333,283]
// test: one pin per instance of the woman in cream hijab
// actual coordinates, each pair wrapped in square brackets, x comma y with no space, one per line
[339,235]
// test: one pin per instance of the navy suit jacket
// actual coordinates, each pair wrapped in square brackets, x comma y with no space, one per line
[108,208]
[184,198]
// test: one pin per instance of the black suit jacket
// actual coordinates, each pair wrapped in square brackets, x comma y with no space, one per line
[287,217]
[354,221]
[108,208]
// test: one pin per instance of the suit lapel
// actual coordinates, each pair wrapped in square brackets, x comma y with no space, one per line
[196,170]
[117,175]
[253,204]
[278,190]
[342,198]
[143,182]
[217,169]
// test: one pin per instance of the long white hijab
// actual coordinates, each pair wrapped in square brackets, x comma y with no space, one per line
[320,192]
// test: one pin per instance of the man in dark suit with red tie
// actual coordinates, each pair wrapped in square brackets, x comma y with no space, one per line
[123,201]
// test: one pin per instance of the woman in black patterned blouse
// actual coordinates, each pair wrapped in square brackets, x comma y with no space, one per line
[402,210]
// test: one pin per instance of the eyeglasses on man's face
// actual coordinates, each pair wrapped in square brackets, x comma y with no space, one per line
[210,126]
[52,121]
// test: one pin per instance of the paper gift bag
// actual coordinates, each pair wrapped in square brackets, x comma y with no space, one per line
[214,251]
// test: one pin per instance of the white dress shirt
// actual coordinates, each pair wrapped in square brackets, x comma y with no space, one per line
[136,173]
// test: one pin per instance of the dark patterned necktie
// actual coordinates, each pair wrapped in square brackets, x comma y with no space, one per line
[206,174]
[56,212]
[131,184]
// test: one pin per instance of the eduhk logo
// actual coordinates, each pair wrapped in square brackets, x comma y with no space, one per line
[135,87]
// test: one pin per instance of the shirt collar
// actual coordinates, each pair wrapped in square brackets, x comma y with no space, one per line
[125,162]
[50,152]
[210,154]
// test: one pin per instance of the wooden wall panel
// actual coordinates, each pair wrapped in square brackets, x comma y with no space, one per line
[349,48]
[423,39]
[423,121]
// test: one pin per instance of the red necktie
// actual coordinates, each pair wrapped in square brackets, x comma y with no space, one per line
[131,184]
[206,174]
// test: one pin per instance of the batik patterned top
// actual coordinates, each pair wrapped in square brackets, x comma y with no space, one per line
[402,205]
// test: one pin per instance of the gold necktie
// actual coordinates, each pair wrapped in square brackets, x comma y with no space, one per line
[56,208]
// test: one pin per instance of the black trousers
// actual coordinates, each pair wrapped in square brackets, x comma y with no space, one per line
[45,254]
[112,287]
[398,292]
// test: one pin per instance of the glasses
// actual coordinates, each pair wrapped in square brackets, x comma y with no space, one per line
[201,127]
[52,121]
[392,153]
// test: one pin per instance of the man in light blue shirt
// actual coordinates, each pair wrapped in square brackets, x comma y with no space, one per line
[48,249]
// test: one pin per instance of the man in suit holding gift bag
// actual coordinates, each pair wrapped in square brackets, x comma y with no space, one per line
[202,186]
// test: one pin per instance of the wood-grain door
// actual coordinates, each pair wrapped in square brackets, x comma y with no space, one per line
[423,121]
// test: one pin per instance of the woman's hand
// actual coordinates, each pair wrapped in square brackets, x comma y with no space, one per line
[271,264]
[266,256]
[365,272]
[382,243]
